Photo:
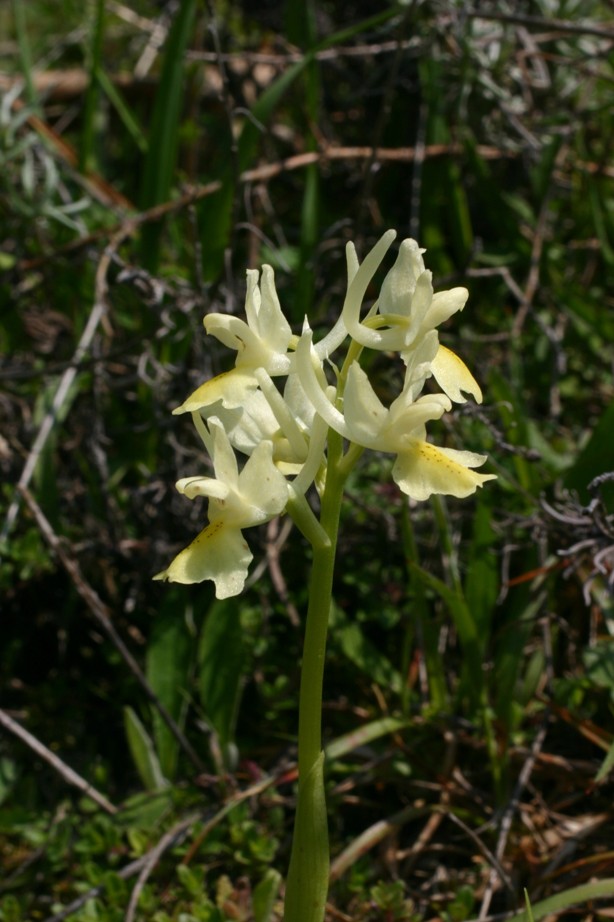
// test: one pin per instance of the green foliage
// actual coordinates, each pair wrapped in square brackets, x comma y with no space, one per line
[164,132]
[221,660]
[143,752]
[169,663]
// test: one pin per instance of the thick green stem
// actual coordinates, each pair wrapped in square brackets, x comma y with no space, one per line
[307,884]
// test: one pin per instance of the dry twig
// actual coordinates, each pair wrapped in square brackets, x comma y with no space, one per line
[65,771]
[102,615]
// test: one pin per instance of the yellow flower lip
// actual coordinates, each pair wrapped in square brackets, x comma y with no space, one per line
[230,387]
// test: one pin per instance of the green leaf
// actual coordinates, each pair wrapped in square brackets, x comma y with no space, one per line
[599,664]
[164,133]
[606,766]
[364,735]
[585,893]
[91,108]
[143,752]
[168,659]
[123,110]
[364,654]
[221,659]
[596,458]
[265,895]
[461,615]
[307,883]
[482,581]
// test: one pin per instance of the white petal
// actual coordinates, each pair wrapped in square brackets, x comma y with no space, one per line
[272,324]
[445,303]
[420,304]
[406,420]
[314,389]
[262,487]
[252,299]
[351,260]
[248,425]
[453,376]
[231,387]
[423,469]
[356,292]
[399,285]
[202,486]
[232,331]
[223,456]
[219,553]
[365,414]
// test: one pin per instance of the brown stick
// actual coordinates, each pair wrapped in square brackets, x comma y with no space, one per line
[68,774]
[102,615]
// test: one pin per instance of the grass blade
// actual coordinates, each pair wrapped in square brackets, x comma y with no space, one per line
[164,133]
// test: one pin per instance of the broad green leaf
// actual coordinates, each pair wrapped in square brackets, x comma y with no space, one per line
[596,458]
[599,664]
[365,655]
[143,752]
[221,658]
[264,896]
[168,660]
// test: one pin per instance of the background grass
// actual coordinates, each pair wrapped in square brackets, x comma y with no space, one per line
[149,154]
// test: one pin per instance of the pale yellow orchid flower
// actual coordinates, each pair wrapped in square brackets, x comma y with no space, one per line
[408,313]
[237,500]
[420,469]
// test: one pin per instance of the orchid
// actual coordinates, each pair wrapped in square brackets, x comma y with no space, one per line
[420,469]
[300,421]
[410,312]
[261,342]
[236,501]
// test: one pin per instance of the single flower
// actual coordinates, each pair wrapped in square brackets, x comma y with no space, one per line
[237,500]
[263,341]
[420,468]
[407,314]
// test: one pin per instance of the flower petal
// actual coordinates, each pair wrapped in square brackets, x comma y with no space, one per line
[273,327]
[399,285]
[262,487]
[423,469]
[453,376]
[306,363]
[219,553]
[406,419]
[356,292]
[263,341]
[444,304]
[223,456]
[231,387]
[365,414]
[202,486]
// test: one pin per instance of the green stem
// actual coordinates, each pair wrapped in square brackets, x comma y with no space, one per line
[307,884]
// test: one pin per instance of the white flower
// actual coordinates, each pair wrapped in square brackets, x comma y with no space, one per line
[263,341]
[237,500]
[420,468]
[407,314]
